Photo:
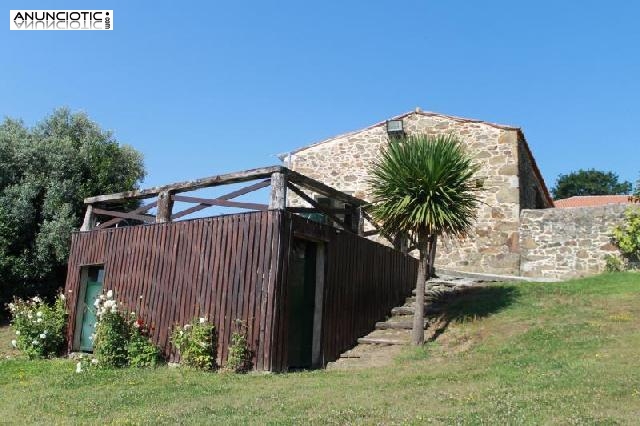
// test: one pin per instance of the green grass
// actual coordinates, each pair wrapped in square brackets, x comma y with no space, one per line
[515,353]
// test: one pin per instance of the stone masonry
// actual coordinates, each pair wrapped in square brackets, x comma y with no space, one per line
[569,242]
[508,177]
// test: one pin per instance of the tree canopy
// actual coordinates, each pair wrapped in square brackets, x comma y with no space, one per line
[589,182]
[45,173]
[423,186]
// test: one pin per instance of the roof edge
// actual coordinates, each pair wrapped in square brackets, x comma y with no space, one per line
[401,116]
[536,169]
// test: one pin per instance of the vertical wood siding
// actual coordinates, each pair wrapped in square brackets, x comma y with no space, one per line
[221,268]
[236,266]
[364,280]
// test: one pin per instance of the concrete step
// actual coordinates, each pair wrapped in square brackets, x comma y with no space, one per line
[409,310]
[398,325]
[381,341]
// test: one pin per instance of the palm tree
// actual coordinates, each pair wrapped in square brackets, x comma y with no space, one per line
[423,186]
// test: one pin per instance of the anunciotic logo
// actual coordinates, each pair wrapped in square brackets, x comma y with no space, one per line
[61,19]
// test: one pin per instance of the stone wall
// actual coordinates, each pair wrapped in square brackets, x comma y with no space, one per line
[532,192]
[569,242]
[493,247]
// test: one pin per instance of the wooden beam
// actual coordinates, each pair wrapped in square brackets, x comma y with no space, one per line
[313,202]
[142,218]
[278,199]
[117,220]
[230,195]
[89,219]
[314,210]
[322,189]
[186,186]
[219,202]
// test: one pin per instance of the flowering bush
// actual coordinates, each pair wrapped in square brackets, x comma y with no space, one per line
[39,327]
[141,351]
[120,340]
[197,344]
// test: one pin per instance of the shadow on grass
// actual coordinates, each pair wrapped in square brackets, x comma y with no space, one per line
[470,304]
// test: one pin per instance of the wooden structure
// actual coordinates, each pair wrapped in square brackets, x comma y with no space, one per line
[305,290]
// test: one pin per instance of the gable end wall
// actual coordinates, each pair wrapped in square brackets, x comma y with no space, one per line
[493,245]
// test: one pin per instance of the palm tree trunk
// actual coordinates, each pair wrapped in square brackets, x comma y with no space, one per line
[432,256]
[417,334]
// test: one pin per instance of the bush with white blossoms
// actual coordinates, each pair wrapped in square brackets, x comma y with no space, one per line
[121,340]
[112,333]
[197,344]
[39,327]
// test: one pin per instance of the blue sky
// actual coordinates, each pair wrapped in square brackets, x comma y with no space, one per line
[210,87]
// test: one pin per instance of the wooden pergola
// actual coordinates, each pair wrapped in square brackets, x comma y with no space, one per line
[279,178]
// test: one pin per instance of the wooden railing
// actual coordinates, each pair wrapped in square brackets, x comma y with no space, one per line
[279,178]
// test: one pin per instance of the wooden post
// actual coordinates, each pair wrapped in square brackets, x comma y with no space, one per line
[89,219]
[358,219]
[165,207]
[278,191]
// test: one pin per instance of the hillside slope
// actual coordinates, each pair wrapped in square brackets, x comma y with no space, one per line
[524,353]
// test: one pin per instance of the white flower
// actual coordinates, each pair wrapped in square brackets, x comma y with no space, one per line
[12,307]
[39,320]
[14,343]
[110,294]
[203,320]
[187,326]
[102,297]
[113,309]
[94,361]
[43,336]
[36,299]
[39,314]
[29,315]
[17,332]
[34,342]
[109,303]
[62,296]
[79,367]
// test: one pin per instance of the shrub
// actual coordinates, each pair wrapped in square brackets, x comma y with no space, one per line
[111,340]
[141,351]
[39,328]
[197,344]
[120,341]
[614,263]
[239,357]
[627,235]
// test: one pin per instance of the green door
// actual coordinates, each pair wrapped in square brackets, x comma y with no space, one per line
[94,288]
[301,301]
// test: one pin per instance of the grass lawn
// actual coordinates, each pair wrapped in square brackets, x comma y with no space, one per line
[528,353]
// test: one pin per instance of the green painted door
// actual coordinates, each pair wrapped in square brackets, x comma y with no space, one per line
[94,288]
[301,301]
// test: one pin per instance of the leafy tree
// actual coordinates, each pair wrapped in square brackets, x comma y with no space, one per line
[589,182]
[45,173]
[423,186]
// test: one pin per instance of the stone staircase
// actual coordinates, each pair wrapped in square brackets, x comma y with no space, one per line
[387,339]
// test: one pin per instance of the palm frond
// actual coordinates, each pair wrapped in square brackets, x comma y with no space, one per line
[424,184]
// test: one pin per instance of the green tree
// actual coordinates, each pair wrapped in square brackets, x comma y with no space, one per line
[423,186]
[45,173]
[589,182]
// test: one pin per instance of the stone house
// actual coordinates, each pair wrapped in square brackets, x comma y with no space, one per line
[509,178]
